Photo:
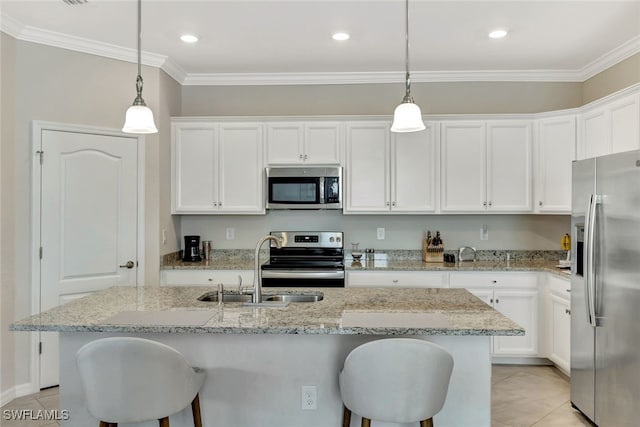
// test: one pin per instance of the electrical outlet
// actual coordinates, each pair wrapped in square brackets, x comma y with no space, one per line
[380,233]
[231,233]
[309,398]
[164,236]
[484,232]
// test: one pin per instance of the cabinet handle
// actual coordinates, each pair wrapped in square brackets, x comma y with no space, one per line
[393,204]
[497,301]
[215,204]
[540,203]
[494,281]
[220,204]
[484,203]
[490,203]
[306,157]
[566,310]
[387,203]
[491,300]
[395,280]
[300,156]
[210,279]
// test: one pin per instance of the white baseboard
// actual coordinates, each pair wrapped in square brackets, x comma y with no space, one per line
[17,391]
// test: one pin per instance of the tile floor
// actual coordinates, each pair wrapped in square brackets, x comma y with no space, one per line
[522,396]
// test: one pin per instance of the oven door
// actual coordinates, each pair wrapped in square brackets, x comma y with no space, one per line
[306,192]
[302,278]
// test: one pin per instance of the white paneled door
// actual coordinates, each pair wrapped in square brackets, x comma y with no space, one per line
[89,226]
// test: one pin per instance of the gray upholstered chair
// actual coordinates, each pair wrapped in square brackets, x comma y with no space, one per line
[399,380]
[129,380]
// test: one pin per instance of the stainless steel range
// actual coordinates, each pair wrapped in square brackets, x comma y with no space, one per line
[305,259]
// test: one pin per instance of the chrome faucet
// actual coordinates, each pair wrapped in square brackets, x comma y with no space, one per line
[257,273]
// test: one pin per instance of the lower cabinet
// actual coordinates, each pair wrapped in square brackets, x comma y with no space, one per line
[559,326]
[513,294]
[397,279]
[229,278]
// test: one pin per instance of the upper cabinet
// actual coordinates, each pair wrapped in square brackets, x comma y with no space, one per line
[388,172]
[555,150]
[610,127]
[308,143]
[217,168]
[486,166]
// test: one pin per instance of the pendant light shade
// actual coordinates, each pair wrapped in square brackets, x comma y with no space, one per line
[139,118]
[407,116]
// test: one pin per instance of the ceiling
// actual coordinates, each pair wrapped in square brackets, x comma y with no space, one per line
[289,41]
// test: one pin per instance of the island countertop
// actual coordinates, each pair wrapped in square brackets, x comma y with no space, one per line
[343,311]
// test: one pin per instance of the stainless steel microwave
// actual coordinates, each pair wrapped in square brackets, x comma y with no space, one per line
[304,188]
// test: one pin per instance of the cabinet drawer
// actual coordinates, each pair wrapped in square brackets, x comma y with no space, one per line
[559,287]
[463,279]
[398,279]
[205,277]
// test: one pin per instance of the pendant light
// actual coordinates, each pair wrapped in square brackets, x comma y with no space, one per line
[139,118]
[407,116]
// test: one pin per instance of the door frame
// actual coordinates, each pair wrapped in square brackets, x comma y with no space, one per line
[37,128]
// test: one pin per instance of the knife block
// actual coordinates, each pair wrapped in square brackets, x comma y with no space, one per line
[432,253]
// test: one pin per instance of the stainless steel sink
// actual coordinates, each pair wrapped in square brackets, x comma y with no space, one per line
[213,297]
[293,298]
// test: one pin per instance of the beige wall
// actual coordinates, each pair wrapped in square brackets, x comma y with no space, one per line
[620,76]
[7,215]
[379,99]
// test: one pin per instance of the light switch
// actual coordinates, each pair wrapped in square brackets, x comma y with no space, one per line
[484,232]
[380,233]
[231,233]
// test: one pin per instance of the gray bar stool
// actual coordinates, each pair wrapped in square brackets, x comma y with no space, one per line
[400,380]
[130,380]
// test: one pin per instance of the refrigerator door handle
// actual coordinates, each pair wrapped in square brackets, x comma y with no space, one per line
[590,279]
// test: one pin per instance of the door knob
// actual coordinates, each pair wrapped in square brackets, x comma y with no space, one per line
[129,264]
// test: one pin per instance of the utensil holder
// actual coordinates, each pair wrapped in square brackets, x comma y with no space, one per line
[432,253]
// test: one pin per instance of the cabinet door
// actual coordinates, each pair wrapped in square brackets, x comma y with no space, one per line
[463,161]
[413,171]
[521,306]
[556,150]
[625,124]
[509,181]
[560,352]
[241,168]
[595,138]
[322,143]
[194,188]
[367,167]
[284,143]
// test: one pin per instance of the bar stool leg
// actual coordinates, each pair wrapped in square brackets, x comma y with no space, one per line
[426,423]
[366,422]
[195,409]
[346,417]
[163,422]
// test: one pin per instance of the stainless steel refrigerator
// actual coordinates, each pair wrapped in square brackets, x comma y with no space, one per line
[605,289]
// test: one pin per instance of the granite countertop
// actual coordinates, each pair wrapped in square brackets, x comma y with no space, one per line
[347,311]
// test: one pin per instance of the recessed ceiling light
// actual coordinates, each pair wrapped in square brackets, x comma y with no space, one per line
[188,38]
[497,34]
[340,36]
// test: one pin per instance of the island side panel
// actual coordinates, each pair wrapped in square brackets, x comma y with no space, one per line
[256,380]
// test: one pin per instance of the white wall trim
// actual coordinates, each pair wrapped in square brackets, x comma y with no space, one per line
[17,391]
[20,31]
[37,128]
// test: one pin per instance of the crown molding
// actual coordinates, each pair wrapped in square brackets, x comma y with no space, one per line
[23,32]
[611,58]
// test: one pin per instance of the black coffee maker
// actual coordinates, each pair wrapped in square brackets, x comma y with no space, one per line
[191,249]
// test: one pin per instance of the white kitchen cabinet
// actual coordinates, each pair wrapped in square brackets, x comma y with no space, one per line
[229,278]
[397,279]
[486,166]
[513,294]
[610,127]
[559,326]
[308,143]
[387,173]
[555,150]
[217,168]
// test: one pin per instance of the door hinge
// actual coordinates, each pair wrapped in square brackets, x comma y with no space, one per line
[40,252]
[40,347]
[41,154]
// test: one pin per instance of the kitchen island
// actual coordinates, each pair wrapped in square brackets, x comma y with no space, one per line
[258,358]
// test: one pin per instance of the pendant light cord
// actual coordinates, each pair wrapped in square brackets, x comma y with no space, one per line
[139,82]
[407,96]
